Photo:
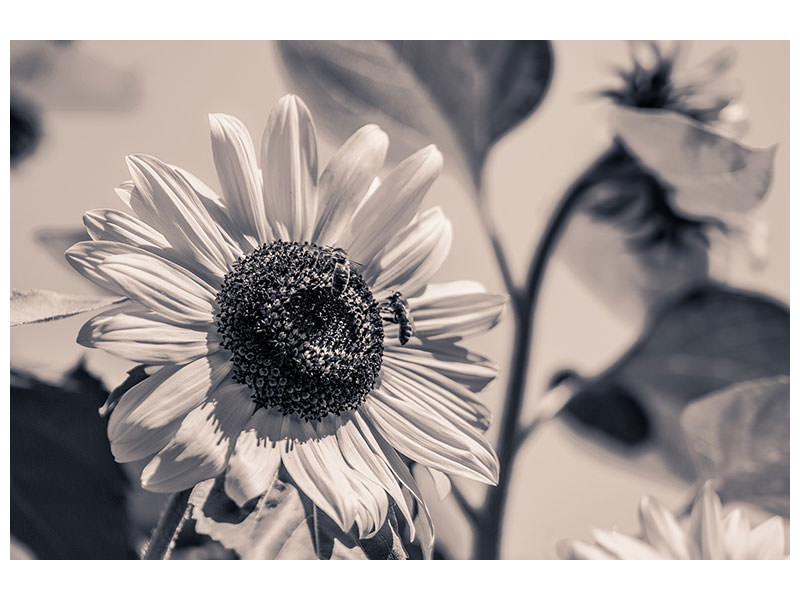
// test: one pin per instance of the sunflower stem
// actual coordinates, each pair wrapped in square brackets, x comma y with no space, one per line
[469,511]
[169,526]
[488,528]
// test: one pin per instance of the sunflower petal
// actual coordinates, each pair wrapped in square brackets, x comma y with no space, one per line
[414,256]
[151,411]
[162,286]
[346,180]
[141,336]
[316,465]
[239,175]
[662,530]
[393,205]
[116,226]
[289,167]
[431,440]
[768,540]
[255,458]
[455,309]
[169,204]
[199,448]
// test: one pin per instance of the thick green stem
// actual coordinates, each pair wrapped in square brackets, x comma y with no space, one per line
[168,528]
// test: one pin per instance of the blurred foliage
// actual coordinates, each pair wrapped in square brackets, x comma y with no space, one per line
[461,95]
[284,524]
[739,438]
[67,493]
[25,129]
[704,341]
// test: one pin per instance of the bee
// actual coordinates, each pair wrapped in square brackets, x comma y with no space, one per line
[395,310]
[341,270]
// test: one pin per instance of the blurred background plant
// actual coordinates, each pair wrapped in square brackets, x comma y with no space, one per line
[651,310]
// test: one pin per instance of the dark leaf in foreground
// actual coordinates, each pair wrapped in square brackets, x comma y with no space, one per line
[707,340]
[284,524]
[461,95]
[739,437]
[67,493]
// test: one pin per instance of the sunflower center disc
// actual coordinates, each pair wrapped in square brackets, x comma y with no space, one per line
[305,333]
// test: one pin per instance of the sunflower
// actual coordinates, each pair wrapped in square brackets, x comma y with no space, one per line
[709,535]
[659,78]
[289,323]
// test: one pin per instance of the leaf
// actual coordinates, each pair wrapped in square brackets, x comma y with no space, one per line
[461,95]
[625,242]
[283,524]
[704,341]
[67,493]
[37,306]
[739,437]
[713,175]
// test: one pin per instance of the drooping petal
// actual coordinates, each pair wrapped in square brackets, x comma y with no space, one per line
[164,287]
[458,308]
[345,181]
[256,457]
[151,411]
[370,464]
[199,448]
[381,447]
[414,256]
[446,357]
[289,169]
[428,438]
[392,206]
[169,204]
[239,175]
[316,465]
[432,391]
[140,335]
[116,226]
[662,531]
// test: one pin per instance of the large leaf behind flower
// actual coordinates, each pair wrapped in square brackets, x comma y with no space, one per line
[66,493]
[706,340]
[461,95]
[283,524]
[739,437]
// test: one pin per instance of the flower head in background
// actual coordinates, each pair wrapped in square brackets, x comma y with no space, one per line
[659,79]
[710,535]
[291,323]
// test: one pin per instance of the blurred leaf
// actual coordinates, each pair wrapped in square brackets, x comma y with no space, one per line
[740,437]
[36,306]
[625,242]
[67,493]
[461,95]
[69,77]
[712,175]
[706,340]
[283,524]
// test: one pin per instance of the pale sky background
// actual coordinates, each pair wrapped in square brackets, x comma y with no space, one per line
[563,485]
